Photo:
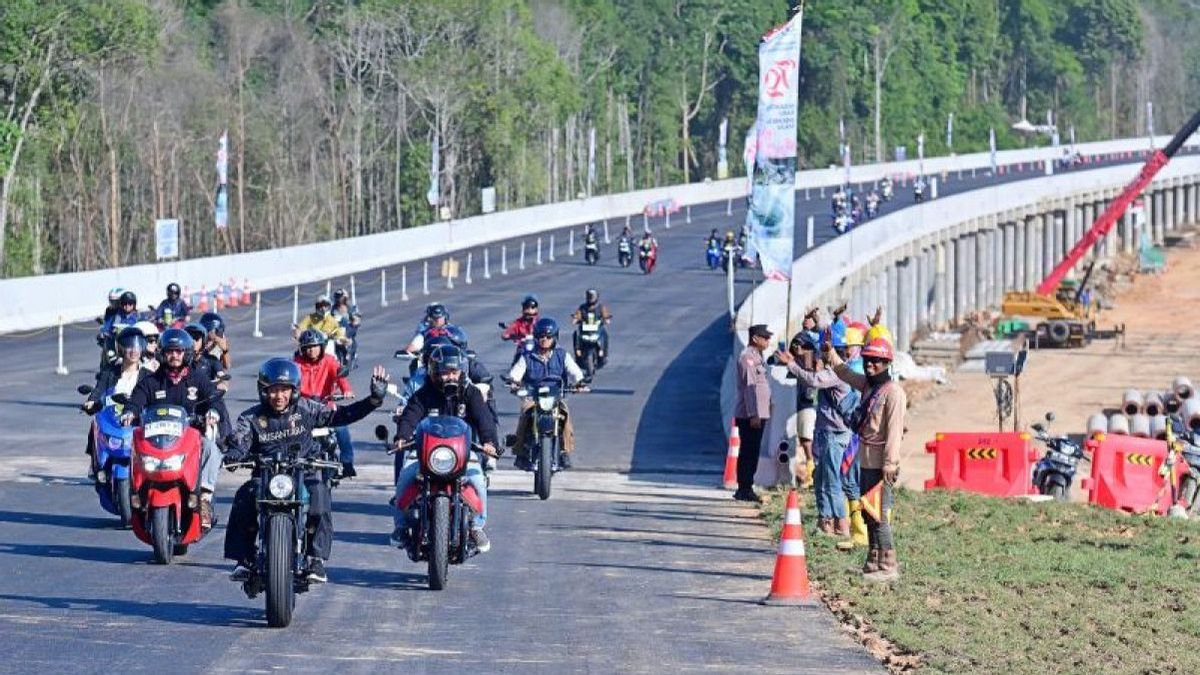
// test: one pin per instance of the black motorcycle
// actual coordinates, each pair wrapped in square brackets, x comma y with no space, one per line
[1055,471]
[283,528]
[624,252]
[589,343]
[591,251]
[544,441]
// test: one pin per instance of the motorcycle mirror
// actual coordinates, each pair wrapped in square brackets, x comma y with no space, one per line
[1050,416]
[470,354]
[84,389]
[121,399]
[381,432]
[1037,426]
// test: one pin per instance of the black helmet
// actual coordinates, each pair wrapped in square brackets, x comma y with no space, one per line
[546,327]
[278,371]
[339,295]
[313,338]
[131,338]
[457,336]
[447,357]
[433,343]
[212,323]
[529,302]
[591,295]
[436,310]
[128,298]
[173,290]
[176,338]
[194,330]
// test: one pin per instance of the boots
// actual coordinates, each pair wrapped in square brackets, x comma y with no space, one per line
[872,563]
[825,527]
[808,478]
[889,569]
[843,527]
[858,528]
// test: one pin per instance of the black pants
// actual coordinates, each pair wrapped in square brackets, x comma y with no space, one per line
[751,445]
[241,534]
[879,532]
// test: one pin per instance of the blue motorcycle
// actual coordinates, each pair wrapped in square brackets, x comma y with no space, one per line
[112,445]
[1055,471]
[713,255]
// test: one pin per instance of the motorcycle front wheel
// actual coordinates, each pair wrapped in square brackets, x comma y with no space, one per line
[545,470]
[121,499]
[439,542]
[160,534]
[1058,492]
[281,594]
[1189,491]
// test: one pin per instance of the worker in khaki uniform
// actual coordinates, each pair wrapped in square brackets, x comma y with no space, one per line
[752,409]
[879,423]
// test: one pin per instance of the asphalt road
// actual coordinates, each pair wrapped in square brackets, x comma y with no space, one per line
[636,564]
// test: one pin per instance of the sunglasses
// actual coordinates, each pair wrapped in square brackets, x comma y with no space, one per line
[151,338]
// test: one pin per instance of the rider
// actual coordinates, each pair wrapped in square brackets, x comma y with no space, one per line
[120,377]
[649,247]
[321,378]
[437,317]
[114,302]
[175,383]
[591,305]
[713,240]
[522,327]
[349,318]
[282,419]
[589,236]
[150,354]
[173,308]
[216,344]
[548,363]
[322,320]
[447,392]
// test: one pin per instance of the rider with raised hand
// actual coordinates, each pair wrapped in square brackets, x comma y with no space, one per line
[215,342]
[175,383]
[447,391]
[323,320]
[282,419]
[591,304]
[120,378]
[547,364]
[322,378]
[173,308]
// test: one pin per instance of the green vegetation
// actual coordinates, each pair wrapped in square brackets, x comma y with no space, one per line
[113,108]
[1004,586]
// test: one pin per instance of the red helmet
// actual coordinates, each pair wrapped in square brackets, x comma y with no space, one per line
[878,349]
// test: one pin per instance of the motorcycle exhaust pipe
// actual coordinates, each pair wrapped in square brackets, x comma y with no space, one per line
[1097,424]
[1139,426]
[785,456]
[1158,427]
[1183,387]
[1191,413]
[1118,424]
[1153,405]
[1131,403]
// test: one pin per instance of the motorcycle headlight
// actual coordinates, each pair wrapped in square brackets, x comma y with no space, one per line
[546,403]
[442,460]
[1063,457]
[281,486]
[150,463]
[172,463]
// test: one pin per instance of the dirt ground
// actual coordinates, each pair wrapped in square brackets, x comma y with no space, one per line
[1161,342]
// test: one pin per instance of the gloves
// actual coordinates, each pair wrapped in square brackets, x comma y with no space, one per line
[379,382]
[234,456]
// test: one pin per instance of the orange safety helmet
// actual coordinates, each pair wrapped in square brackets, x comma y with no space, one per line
[878,349]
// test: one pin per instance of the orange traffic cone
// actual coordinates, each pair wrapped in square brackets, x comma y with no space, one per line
[247,294]
[729,482]
[219,298]
[235,294]
[202,306]
[789,586]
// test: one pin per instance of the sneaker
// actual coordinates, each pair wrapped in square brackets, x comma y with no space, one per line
[206,513]
[399,537]
[564,460]
[348,470]
[241,572]
[482,543]
[316,570]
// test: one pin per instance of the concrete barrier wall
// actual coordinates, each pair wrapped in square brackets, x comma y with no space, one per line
[934,263]
[35,302]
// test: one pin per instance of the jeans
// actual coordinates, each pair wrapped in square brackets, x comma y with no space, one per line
[345,445]
[210,464]
[828,448]
[474,476]
[850,473]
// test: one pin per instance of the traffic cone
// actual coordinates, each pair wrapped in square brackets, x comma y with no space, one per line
[247,294]
[219,297]
[235,294]
[729,482]
[789,586]
[202,306]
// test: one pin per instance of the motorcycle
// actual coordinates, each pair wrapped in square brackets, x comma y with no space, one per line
[885,189]
[165,476]
[283,530]
[843,223]
[525,345]
[919,191]
[441,502]
[624,252]
[591,251]
[588,352]
[1055,471]
[1189,483]
[545,431]
[112,445]
[713,255]
[647,257]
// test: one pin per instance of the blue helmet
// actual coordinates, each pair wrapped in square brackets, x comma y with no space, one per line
[177,338]
[837,333]
[275,371]
[457,336]
[546,327]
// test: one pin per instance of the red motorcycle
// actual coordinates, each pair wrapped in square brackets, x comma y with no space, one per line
[441,502]
[165,478]
[647,256]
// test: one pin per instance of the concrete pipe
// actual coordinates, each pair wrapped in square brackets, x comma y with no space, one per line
[1139,426]
[1191,413]
[1131,404]
[1153,404]
[1171,402]
[1118,424]
[1158,427]
[1097,424]
[1183,387]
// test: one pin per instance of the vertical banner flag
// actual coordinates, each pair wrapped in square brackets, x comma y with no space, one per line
[722,157]
[434,193]
[950,131]
[771,217]
[591,160]
[222,201]
[992,148]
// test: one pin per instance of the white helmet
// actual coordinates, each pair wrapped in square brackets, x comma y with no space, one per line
[114,293]
[148,328]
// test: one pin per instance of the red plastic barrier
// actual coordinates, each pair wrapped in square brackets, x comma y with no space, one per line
[988,463]
[1125,474]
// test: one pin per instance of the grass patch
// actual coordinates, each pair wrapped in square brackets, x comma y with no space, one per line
[1005,586]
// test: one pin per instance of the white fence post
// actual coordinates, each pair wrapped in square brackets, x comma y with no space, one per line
[668,220]
[404,284]
[295,305]
[62,368]
[645,222]
[571,243]
[689,214]
[425,279]
[539,251]
[809,239]
[257,314]
[468,277]
[383,288]
[551,247]
[487,270]
[729,204]
[353,292]
[606,239]
[521,260]
[503,258]
[328,287]
[448,265]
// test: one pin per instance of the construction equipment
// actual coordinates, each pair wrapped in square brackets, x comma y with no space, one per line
[1069,315]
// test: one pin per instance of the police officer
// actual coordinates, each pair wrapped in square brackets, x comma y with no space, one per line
[281,419]
[751,409]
